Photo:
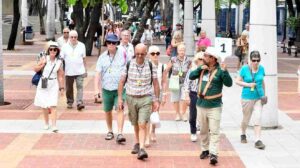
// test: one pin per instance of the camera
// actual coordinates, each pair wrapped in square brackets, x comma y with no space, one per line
[44,83]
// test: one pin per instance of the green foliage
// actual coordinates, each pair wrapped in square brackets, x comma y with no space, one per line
[293,22]
[121,3]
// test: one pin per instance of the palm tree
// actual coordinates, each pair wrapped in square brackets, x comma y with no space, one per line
[50,23]
[1,61]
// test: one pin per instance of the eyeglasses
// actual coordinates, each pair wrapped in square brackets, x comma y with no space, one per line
[255,60]
[141,54]
[200,59]
[66,32]
[155,53]
[53,49]
[111,42]
[73,37]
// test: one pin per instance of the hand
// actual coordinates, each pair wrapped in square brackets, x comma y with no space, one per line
[164,100]
[223,66]
[155,106]
[252,85]
[204,67]
[120,105]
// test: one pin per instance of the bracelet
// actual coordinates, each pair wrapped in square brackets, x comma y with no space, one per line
[62,88]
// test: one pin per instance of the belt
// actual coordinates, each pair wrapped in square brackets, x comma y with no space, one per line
[51,78]
[211,97]
[138,96]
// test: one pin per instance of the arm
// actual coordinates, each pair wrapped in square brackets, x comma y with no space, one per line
[61,78]
[97,83]
[196,73]
[40,65]
[165,77]
[227,80]
[156,92]
[120,91]
[173,43]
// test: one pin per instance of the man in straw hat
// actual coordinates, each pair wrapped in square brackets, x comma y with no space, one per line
[212,76]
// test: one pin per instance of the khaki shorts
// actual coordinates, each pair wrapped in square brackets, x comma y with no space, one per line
[139,109]
[251,109]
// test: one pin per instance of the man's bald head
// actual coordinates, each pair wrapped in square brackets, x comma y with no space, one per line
[140,51]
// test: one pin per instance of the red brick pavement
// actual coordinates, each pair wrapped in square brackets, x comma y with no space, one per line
[6,139]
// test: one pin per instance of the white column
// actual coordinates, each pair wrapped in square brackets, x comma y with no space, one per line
[241,8]
[24,13]
[50,22]
[188,28]
[1,59]
[263,38]
[175,13]
[209,19]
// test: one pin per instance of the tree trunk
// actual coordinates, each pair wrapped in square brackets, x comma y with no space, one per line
[228,19]
[147,14]
[134,16]
[78,15]
[94,24]
[41,17]
[50,20]
[61,16]
[291,8]
[87,19]
[14,27]
[297,2]
[1,57]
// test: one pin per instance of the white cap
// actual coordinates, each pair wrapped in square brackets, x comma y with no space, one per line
[213,52]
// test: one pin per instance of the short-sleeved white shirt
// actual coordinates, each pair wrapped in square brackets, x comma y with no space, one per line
[128,49]
[111,68]
[73,56]
[61,41]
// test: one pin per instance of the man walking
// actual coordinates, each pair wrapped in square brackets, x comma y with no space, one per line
[109,68]
[212,75]
[139,75]
[125,43]
[74,54]
[64,38]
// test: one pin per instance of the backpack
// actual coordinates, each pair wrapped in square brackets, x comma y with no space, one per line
[128,66]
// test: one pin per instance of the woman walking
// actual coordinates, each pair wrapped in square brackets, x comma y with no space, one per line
[51,82]
[251,78]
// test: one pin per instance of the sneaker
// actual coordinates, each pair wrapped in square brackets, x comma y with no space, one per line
[213,159]
[120,139]
[54,129]
[243,139]
[204,154]
[46,127]
[80,107]
[259,145]
[69,106]
[178,118]
[184,117]
[194,137]
[142,154]
[136,148]
[109,136]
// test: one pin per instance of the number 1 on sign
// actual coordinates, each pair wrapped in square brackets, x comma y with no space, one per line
[223,48]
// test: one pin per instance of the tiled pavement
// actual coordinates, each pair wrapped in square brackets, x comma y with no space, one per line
[80,142]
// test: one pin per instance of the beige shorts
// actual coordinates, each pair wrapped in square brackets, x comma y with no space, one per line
[251,109]
[139,109]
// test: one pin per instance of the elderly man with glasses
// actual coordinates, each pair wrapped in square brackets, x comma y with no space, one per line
[125,43]
[64,38]
[108,73]
[74,54]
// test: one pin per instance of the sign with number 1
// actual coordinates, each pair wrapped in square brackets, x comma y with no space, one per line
[224,47]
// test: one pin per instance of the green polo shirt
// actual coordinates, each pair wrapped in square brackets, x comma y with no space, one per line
[221,77]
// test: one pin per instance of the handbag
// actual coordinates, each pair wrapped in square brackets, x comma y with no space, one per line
[174,83]
[264,99]
[36,78]
[238,51]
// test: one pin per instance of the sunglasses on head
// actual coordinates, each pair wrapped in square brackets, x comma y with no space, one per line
[111,42]
[155,53]
[255,60]
[53,49]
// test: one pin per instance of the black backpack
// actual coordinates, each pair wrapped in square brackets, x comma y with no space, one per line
[128,65]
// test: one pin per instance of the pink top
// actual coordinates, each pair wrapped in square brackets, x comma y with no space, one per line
[204,42]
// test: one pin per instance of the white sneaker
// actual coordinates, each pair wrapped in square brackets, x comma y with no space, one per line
[54,129]
[46,127]
[193,137]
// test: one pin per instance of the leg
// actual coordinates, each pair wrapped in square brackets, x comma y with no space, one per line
[176,107]
[108,104]
[214,118]
[53,118]
[247,106]
[69,90]
[108,118]
[79,86]
[46,118]
[193,112]
[142,135]
[204,129]
[147,135]
[257,109]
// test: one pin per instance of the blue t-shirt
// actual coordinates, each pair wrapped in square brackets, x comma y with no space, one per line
[258,91]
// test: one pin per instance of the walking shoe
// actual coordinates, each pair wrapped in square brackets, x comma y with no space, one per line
[142,154]
[54,129]
[120,139]
[259,145]
[243,139]
[178,118]
[69,106]
[109,136]
[135,149]
[213,159]
[80,107]
[193,137]
[184,117]
[204,154]
[46,127]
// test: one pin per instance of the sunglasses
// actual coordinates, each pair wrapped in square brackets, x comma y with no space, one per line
[255,60]
[200,59]
[73,37]
[141,54]
[66,32]
[155,53]
[53,49]
[111,42]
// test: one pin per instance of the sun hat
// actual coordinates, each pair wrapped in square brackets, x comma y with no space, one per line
[213,52]
[112,38]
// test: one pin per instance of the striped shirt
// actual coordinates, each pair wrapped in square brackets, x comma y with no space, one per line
[190,85]
[139,78]
[111,68]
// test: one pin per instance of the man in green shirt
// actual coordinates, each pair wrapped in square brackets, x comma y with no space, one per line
[212,76]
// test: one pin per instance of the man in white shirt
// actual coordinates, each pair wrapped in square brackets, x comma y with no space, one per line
[157,30]
[246,31]
[64,38]
[74,54]
[125,43]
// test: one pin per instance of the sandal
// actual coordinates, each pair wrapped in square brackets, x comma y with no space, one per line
[109,136]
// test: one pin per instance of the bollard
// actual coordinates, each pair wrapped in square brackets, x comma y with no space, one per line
[298,74]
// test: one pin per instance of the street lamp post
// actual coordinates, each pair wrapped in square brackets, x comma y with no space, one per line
[209,19]
[262,37]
